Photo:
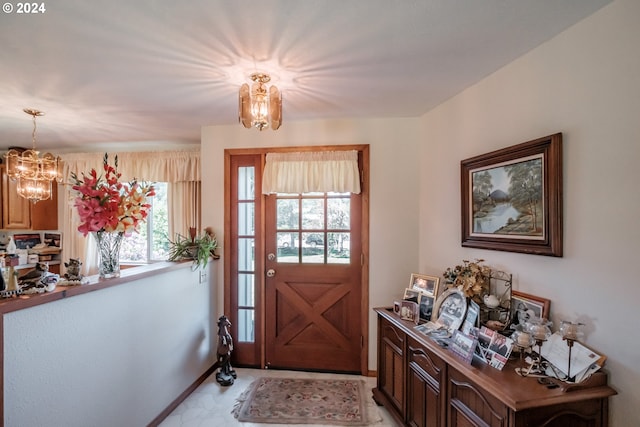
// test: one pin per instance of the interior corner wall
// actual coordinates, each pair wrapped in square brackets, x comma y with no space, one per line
[393,206]
[584,83]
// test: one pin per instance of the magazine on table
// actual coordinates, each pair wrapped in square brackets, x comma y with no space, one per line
[493,348]
[463,345]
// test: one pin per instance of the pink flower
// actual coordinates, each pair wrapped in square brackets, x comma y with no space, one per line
[106,204]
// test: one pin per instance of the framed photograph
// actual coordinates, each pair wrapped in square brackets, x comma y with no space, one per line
[463,345]
[411,295]
[525,306]
[512,198]
[396,307]
[409,311]
[424,283]
[450,309]
[426,307]
[471,318]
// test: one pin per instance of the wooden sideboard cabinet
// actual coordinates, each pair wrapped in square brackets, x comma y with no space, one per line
[20,214]
[423,384]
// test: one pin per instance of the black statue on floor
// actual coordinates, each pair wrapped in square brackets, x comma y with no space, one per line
[226,375]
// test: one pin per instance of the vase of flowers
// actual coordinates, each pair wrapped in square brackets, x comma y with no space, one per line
[110,210]
[472,278]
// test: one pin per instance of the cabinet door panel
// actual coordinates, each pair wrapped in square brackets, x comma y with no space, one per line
[391,374]
[425,396]
[470,405]
[16,210]
[44,214]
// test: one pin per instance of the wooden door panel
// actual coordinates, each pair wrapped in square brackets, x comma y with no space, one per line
[312,325]
[298,317]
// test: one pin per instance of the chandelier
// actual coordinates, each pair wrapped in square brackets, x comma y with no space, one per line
[260,106]
[33,173]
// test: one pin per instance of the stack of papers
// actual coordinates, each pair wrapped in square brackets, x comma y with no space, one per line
[584,361]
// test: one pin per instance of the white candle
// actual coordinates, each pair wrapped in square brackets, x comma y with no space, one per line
[524,339]
[571,332]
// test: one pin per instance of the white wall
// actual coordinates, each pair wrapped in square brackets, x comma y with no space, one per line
[115,357]
[393,199]
[586,84]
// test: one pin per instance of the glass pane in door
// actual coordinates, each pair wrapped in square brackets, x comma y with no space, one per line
[339,248]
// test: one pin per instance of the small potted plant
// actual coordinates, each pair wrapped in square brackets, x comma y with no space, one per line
[198,248]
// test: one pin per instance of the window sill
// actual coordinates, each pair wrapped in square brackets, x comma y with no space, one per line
[127,275]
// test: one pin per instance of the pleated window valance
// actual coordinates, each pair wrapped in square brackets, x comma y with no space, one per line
[310,172]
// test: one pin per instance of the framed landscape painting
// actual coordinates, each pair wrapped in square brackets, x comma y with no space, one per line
[512,198]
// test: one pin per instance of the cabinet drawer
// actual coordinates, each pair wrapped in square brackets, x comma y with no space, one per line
[392,335]
[427,361]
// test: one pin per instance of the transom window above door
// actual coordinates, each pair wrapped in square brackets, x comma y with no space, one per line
[313,228]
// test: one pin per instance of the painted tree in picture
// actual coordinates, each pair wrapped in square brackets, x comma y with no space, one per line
[526,191]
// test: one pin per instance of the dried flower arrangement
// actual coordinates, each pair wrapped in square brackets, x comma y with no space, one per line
[472,278]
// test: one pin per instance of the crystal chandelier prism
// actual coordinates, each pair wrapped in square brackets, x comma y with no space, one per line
[34,174]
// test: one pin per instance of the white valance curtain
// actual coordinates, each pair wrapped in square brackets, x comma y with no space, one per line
[180,169]
[309,172]
[157,166]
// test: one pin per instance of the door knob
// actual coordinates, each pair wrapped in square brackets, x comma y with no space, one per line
[271,272]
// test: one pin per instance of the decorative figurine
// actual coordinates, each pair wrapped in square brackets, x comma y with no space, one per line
[73,269]
[38,280]
[212,236]
[33,276]
[226,375]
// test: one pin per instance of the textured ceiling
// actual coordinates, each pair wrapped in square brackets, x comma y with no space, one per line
[152,72]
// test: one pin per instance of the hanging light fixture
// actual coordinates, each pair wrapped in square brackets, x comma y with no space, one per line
[260,106]
[33,173]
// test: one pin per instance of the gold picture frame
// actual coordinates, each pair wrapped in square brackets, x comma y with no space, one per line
[424,283]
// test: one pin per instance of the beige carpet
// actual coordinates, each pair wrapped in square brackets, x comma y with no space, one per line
[275,400]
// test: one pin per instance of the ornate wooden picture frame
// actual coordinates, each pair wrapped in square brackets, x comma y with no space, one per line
[512,198]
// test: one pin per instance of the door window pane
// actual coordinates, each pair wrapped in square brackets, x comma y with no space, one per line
[246,254]
[312,214]
[288,247]
[246,183]
[287,213]
[313,248]
[338,214]
[246,290]
[246,219]
[339,246]
[246,322]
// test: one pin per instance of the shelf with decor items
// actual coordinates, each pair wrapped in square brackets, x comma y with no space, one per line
[423,384]
[20,214]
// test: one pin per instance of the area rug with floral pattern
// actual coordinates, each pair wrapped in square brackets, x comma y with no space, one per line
[307,401]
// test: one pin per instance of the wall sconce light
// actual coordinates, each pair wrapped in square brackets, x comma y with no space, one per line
[260,106]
